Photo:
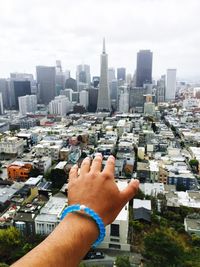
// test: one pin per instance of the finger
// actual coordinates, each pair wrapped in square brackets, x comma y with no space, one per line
[130,191]
[85,166]
[96,163]
[110,166]
[73,174]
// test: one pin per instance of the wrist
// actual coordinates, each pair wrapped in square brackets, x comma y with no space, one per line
[85,225]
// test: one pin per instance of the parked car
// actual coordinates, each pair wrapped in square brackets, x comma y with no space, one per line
[91,255]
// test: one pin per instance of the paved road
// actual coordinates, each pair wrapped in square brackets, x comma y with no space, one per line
[107,262]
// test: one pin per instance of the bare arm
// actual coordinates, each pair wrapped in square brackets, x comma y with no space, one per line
[73,237]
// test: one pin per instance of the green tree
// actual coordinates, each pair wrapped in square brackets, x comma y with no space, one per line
[163,248]
[194,164]
[10,239]
[122,261]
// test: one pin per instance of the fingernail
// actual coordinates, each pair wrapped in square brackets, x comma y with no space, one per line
[98,154]
[112,157]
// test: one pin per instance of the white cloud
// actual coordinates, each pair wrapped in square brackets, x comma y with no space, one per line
[39,32]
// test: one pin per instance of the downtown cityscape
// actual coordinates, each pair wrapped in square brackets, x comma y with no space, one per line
[52,119]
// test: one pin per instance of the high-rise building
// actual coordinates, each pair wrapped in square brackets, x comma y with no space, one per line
[60,105]
[68,93]
[137,99]
[114,90]
[83,96]
[121,74]
[103,103]
[144,68]
[129,78]
[27,104]
[5,93]
[71,83]
[93,96]
[170,84]
[83,77]
[95,81]
[46,79]
[160,90]
[21,88]
[111,75]
[1,104]
[60,77]
[123,99]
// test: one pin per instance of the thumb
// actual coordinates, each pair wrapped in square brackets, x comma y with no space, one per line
[130,191]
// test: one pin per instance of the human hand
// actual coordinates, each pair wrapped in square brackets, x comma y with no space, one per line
[97,189]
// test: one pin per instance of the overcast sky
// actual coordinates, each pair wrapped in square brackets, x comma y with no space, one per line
[37,32]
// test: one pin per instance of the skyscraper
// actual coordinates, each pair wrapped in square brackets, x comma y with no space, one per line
[1,105]
[111,74]
[83,76]
[5,93]
[170,84]
[46,79]
[121,74]
[21,88]
[144,68]
[104,94]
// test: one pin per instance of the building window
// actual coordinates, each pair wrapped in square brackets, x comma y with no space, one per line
[114,230]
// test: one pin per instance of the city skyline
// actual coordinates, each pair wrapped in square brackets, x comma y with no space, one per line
[32,35]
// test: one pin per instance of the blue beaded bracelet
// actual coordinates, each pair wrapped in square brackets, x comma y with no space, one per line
[91,213]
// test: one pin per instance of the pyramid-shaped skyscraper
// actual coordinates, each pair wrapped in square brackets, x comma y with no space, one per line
[103,103]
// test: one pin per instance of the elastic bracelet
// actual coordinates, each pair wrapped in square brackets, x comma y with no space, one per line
[91,213]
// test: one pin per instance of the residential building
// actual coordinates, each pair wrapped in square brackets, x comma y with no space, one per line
[42,164]
[19,171]
[191,223]
[142,210]
[83,97]
[12,146]
[49,216]
[27,104]
[68,93]
[117,232]
[60,105]
[170,85]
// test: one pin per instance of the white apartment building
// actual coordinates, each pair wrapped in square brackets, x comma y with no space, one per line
[12,145]
[117,232]
[170,84]
[68,93]
[83,97]
[49,216]
[60,105]
[49,149]
[42,164]
[27,103]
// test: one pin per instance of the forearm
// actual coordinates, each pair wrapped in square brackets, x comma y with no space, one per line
[66,246]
